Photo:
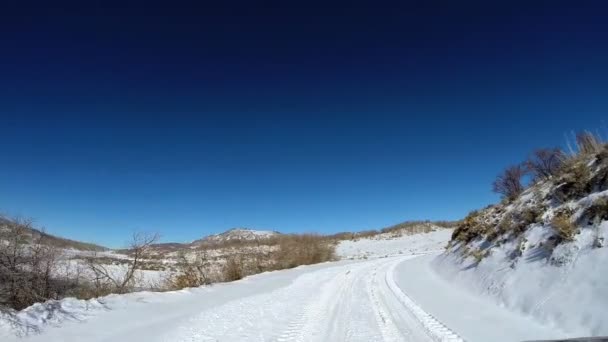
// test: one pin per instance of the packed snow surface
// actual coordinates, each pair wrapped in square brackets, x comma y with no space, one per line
[398,298]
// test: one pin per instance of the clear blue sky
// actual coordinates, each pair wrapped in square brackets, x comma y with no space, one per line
[192,120]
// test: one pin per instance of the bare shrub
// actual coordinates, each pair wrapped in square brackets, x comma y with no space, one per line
[108,281]
[575,182]
[508,184]
[304,249]
[190,273]
[233,269]
[505,225]
[470,228]
[27,266]
[545,163]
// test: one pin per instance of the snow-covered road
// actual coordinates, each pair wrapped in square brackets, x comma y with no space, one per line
[344,301]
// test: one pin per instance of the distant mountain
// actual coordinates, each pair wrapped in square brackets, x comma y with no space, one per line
[236,234]
[227,237]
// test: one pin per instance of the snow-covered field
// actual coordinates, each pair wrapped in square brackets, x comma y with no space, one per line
[388,245]
[397,298]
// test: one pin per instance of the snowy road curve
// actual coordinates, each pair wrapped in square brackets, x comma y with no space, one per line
[386,299]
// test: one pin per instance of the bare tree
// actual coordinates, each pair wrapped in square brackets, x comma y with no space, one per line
[191,272]
[107,281]
[509,183]
[545,163]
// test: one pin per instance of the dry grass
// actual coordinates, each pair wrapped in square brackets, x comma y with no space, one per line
[470,228]
[564,227]
[305,249]
[574,181]
[290,251]
[233,269]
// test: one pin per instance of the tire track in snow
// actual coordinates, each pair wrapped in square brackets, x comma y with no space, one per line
[437,330]
[328,316]
[353,302]
[389,330]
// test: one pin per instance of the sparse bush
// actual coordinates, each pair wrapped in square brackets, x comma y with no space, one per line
[563,226]
[545,163]
[504,226]
[233,269]
[470,228]
[508,184]
[105,281]
[575,183]
[190,273]
[529,215]
[596,212]
[27,266]
[305,249]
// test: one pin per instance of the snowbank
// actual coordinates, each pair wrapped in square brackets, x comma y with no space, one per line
[568,290]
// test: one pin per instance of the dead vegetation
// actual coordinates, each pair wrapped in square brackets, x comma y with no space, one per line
[27,267]
[281,252]
[508,184]
[545,163]
[33,269]
[106,280]
[304,249]
[470,228]
[191,272]
[564,227]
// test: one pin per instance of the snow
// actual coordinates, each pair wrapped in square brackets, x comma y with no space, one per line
[389,245]
[564,287]
[570,292]
[473,317]
[399,298]
[239,234]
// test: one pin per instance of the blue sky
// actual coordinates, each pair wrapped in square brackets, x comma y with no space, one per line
[191,120]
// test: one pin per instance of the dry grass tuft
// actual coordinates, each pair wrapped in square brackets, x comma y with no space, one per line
[564,227]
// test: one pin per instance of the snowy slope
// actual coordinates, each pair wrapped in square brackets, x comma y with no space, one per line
[573,296]
[389,245]
[544,254]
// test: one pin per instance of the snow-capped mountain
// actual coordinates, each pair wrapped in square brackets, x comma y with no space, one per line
[237,234]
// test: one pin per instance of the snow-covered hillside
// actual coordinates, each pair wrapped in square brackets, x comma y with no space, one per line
[236,234]
[383,245]
[544,254]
